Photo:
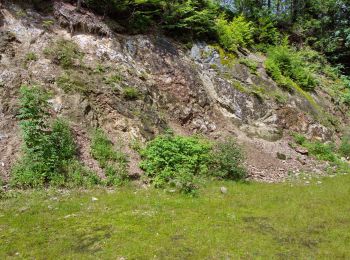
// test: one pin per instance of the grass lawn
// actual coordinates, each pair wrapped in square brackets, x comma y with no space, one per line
[251,221]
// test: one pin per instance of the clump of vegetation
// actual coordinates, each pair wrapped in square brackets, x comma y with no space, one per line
[320,150]
[227,161]
[113,161]
[175,161]
[49,149]
[72,82]
[344,148]
[31,56]
[114,79]
[251,64]
[234,34]
[47,24]
[180,161]
[130,93]
[285,66]
[266,33]
[346,98]
[64,53]
[99,69]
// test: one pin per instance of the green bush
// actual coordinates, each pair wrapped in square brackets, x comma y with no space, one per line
[265,32]
[227,161]
[234,34]
[114,162]
[285,66]
[299,138]
[344,148]
[175,161]
[64,53]
[320,150]
[179,161]
[346,98]
[48,148]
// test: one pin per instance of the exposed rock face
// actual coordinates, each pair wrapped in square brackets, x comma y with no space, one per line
[192,91]
[68,17]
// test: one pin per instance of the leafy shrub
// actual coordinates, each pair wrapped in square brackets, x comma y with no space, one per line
[346,98]
[299,138]
[265,32]
[344,148]
[322,151]
[285,66]
[179,161]
[48,149]
[175,161]
[112,161]
[190,18]
[182,18]
[64,53]
[227,161]
[234,34]
[130,93]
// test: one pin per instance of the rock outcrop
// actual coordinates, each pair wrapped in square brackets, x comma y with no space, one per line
[192,91]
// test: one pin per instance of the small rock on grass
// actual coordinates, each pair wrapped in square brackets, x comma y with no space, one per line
[94,199]
[223,190]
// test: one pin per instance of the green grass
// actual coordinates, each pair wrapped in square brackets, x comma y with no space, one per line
[269,221]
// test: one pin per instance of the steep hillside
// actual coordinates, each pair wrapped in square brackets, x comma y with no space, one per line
[134,87]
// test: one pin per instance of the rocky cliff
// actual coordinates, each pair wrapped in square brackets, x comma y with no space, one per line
[136,86]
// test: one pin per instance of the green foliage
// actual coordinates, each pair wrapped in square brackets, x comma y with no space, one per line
[186,19]
[179,161]
[192,18]
[234,34]
[114,162]
[175,161]
[115,78]
[31,56]
[285,65]
[130,93]
[266,31]
[78,175]
[344,148]
[49,149]
[346,97]
[227,161]
[251,64]
[299,138]
[47,24]
[320,150]
[64,53]
[100,69]
[72,81]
